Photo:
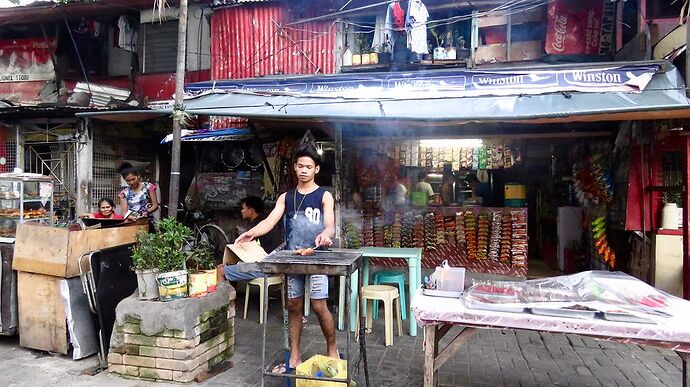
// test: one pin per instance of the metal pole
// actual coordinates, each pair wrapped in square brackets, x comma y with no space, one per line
[174,194]
[687,42]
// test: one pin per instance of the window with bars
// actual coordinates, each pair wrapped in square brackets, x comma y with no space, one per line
[8,149]
[108,153]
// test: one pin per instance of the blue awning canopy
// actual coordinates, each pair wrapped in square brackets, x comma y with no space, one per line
[592,92]
[228,134]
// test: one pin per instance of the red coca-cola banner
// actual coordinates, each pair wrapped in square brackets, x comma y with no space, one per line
[580,27]
[26,60]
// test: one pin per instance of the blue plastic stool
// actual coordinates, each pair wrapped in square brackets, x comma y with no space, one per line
[391,277]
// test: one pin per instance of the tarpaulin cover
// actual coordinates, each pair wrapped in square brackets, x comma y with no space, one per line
[591,92]
[597,303]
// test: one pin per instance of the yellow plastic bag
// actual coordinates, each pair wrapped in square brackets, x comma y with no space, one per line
[317,363]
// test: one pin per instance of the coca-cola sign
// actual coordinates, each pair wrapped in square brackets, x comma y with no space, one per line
[26,60]
[580,27]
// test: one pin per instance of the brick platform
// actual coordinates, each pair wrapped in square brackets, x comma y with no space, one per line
[180,355]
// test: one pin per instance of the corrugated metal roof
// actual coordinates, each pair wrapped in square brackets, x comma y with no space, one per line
[46,10]
[252,41]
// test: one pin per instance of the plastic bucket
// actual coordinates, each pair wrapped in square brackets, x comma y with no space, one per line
[515,203]
[172,285]
[419,199]
[515,191]
[147,285]
[198,284]
[211,280]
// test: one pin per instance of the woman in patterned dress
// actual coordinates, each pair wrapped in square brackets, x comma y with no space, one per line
[139,196]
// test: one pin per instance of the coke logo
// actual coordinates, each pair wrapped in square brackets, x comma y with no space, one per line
[560,27]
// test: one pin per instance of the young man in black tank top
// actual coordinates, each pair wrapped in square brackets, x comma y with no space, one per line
[309,222]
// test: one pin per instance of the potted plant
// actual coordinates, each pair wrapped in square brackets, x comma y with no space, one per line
[358,59]
[374,54]
[462,52]
[172,238]
[385,55]
[145,264]
[672,213]
[439,52]
[202,271]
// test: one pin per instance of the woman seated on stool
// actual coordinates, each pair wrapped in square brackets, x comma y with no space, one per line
[106,210]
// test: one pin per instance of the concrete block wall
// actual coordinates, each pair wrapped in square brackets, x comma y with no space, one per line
[171,355]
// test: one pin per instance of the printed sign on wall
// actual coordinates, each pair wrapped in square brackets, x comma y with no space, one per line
[24,60]
[581,27]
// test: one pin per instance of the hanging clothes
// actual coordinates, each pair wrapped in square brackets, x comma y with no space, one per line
[417,16]
[379,34]
[127,34]
[395,19]
[395,23]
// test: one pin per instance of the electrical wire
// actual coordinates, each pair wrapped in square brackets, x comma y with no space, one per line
[76,49]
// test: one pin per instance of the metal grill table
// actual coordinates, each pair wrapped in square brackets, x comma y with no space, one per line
[335,262]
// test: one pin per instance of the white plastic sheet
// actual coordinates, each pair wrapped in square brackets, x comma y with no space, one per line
[649,315]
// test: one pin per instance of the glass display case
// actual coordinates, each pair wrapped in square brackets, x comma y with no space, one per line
[24,197]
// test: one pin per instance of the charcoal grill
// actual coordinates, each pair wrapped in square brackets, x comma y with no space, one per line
[332,262]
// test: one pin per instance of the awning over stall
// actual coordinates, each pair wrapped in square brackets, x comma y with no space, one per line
[593,92]
[230,134]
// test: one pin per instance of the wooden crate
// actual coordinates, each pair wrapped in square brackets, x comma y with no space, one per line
[519,51]
[56,251]
[42,321]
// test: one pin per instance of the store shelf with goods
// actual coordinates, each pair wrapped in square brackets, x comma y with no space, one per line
[36,200]
[24,198]
[24,218]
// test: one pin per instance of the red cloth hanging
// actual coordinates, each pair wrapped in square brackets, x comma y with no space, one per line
[398,17]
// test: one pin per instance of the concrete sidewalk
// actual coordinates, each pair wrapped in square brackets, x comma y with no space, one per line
[490,358]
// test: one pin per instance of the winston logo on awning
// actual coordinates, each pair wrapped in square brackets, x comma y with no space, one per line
[449,83]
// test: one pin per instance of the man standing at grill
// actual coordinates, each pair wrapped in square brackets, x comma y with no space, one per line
[309,222]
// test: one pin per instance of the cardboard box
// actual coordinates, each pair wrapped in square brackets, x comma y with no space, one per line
[245,252]
[56,251]
[519,51]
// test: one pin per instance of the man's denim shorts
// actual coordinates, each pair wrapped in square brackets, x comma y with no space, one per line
[318,286]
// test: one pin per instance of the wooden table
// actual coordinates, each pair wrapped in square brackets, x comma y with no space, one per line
[413,256]
[334,262]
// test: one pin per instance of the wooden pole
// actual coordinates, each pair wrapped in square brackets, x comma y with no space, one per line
[177,126]
[686,222]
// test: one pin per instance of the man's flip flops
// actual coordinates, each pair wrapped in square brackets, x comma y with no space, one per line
[282,369]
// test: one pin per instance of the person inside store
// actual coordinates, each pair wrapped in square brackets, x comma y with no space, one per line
[481,192]
[253,212]
[423,185]
[106,210]
[139,199]
[308,211]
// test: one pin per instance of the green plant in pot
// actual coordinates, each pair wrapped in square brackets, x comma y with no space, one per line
[202,271]
[172,237]
[145,262]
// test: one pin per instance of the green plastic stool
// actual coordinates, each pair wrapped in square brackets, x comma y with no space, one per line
[391,277]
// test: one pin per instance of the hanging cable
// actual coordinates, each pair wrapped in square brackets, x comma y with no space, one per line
[76,49]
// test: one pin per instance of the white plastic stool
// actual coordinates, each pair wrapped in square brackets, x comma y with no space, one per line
[272,280]
[390,296]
